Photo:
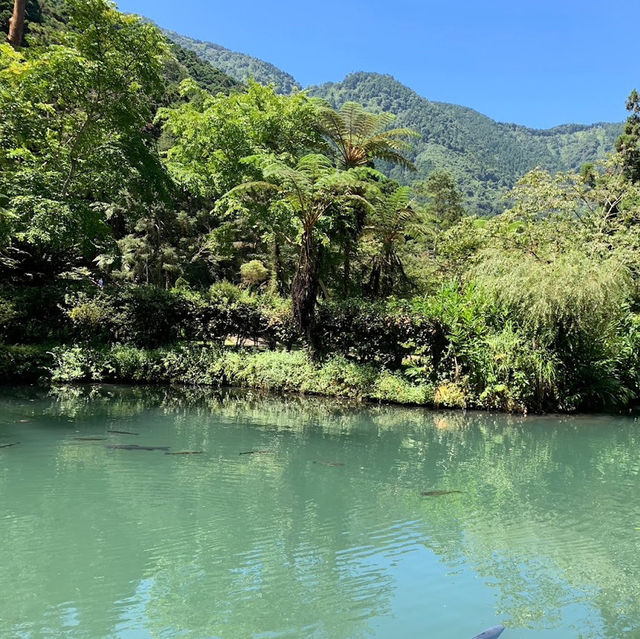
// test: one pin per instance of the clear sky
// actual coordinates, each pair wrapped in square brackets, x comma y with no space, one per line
[534,62]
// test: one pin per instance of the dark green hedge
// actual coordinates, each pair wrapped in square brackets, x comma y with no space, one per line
[147,317]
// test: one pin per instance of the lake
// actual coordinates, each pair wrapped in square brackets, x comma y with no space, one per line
[307,518]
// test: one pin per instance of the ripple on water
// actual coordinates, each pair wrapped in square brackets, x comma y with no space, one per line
[129,544]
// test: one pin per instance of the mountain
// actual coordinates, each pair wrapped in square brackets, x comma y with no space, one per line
[486,157]
[204,73]
[239,66]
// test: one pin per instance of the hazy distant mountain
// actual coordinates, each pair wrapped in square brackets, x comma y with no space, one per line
[239,66]
[486,157]
[204,73]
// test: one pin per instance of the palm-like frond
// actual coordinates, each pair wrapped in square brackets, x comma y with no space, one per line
[392,219]
[360,136]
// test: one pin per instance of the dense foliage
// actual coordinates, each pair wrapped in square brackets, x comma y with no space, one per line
[159,222]
[485,157]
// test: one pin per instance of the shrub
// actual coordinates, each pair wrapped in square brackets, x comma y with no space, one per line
[393,387]
[201,365]
[253,273]
[227,293]
[24,364]
[7,314]
[374,333]
[450,395]
[91,317]
[36,314]
[149,317]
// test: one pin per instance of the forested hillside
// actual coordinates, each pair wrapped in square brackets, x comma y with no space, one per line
[239,66]
[157,218]
[205,74]
[485,157]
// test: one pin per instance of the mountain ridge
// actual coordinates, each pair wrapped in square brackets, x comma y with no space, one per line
[486,157]
[239,66]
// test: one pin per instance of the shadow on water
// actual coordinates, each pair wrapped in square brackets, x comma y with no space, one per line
[361,521]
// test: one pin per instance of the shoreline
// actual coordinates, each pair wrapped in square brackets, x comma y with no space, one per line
[278,372]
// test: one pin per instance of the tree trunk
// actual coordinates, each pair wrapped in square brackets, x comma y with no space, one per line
[347,268]
[16,24]
[374,279]
[278,268]
[304,290]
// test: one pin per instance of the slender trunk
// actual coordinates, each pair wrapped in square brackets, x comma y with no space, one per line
[277,266]
[374,279]
[16,24]
[304,291]
[347,268]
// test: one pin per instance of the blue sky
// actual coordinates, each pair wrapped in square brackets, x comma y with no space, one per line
[534,62]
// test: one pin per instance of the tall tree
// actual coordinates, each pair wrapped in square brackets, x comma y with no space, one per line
[628,144]
[357,138]
[74,147]
[315,193]
[16,25]
[390,224]
[211,139]
[443,199]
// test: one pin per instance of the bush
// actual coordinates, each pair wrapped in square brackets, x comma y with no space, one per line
[253,273]
[148,317]
[393,387]
[210,366]
[7,314]
[375,333]
[24,364]
[91,317]
[37,314]
[464,346]
[450,395]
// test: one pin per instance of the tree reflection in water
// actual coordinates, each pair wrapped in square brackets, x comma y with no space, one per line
[224,545]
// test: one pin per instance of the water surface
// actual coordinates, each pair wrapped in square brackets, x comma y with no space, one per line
[325,535]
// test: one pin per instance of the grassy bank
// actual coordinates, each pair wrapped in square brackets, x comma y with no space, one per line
[213,366]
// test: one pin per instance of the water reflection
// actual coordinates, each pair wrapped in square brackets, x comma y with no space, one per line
[99,542]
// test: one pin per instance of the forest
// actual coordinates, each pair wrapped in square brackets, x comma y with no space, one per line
[484,157]
[163,222]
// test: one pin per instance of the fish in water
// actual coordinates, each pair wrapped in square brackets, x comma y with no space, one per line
[439,493]
[490,633]
[186,452]
[136,447]
[22,421]
[257,452]
[89,439]
[121,432]
[9,445]
[329,463]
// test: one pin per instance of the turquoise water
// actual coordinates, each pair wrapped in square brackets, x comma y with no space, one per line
[325,535]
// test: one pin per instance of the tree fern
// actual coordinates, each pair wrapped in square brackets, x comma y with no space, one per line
[359,137]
